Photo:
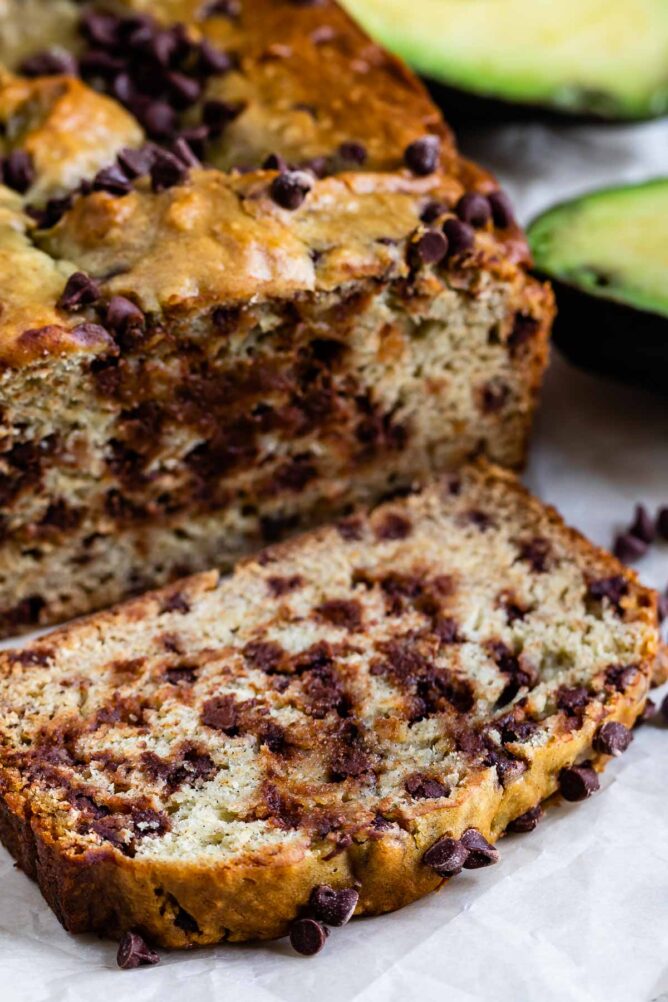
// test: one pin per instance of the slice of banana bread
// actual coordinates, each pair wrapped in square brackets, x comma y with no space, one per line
[246,281]
[192,764]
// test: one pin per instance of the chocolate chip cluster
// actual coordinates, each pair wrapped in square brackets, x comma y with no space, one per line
[633,543]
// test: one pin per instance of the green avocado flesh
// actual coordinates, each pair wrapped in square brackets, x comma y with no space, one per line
[607,58]
[612,244]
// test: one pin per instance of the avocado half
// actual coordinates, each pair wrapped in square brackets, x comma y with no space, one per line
[602,59]
[606,254]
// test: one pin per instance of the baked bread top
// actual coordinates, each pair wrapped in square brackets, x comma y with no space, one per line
[403,675]
[282,154]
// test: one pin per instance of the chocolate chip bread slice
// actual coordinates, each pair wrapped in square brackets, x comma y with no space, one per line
[246,280]
[368,706]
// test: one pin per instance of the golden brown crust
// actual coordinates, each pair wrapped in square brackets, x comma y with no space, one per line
[258,895]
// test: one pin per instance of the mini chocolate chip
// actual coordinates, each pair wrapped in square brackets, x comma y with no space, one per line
[18,171]
[447,856]
[643,526]
[502,209]
[480,851]
[196,136]
[432,211]
[524,328]
[220,713]
[474,210]
[52,212]
[97,63]
[122,313]
[113,180]
[157,117]
[662,607]
[578,782]
[308,936]
[461,236]
[167,171]
[217,114]
[614,589]
[613,739]
[649,710]
[526,822]
[80,290]
[182,151]
[51,62]
[332,907]
[275,162]
[429,248]
[353,152]
[290,189]
[663,709]
[134,952]
[221,8]
[184,91]
[662,523]
[136,163]
[629,548]
[422,156]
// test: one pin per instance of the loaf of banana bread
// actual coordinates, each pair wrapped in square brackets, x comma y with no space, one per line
[367,707]
[246,282]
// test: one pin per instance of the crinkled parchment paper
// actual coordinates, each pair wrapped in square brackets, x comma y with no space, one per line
[578,910]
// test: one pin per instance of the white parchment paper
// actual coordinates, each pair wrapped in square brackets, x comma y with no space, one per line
[578,910]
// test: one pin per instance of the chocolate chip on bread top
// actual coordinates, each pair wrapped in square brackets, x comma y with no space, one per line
[346,721]
[247,280]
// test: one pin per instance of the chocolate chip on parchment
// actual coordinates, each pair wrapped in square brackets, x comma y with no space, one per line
[332,907]
[133,951]
[629,548]
[474,209]
[308,936]
[578,782]
[422,156]
[480,851]
[80,290]
[643,526]
[649,710]
[502,209]
[526,822]
[289,189]
[447,856]
[461,236]
[662,522]
[663,709]
[613,739]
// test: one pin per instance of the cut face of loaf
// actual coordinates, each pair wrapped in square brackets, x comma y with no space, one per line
[193,763]
[203,348]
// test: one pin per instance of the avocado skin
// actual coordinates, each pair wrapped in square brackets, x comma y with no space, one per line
[610,338]
[462,108]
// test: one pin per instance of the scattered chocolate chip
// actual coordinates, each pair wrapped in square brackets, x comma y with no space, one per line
[643,526]
[221,8]
[393,526]
[432,210]
[663,709]
[100,28]
[429,248]
[308,936]
[425,788]
[51,62]
[290,188]
[662,523]
[649,710]
[51,213]
[167,171]
[502,209]
[344,613]
[620,676]
[524,328]
[480,851]
[18,171]
[80,290]
[332,907]
[662,607]
[629,548]
[447,856]
[461,236]
[275,162]
[134,952]
[536,553]
[578,782]
[613,739]
[422,156]
[526,822]
[353,152]
[158,118]
[613,589]
[494,396]
[474,210]
[213,61]
[217,114]
[183,90]
[183,152]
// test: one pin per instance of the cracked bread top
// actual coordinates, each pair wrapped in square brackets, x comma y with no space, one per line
[274,155]
[337,688]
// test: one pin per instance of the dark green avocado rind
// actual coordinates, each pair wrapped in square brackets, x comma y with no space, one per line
[602,326]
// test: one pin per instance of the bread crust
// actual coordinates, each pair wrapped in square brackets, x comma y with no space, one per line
[257,896]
